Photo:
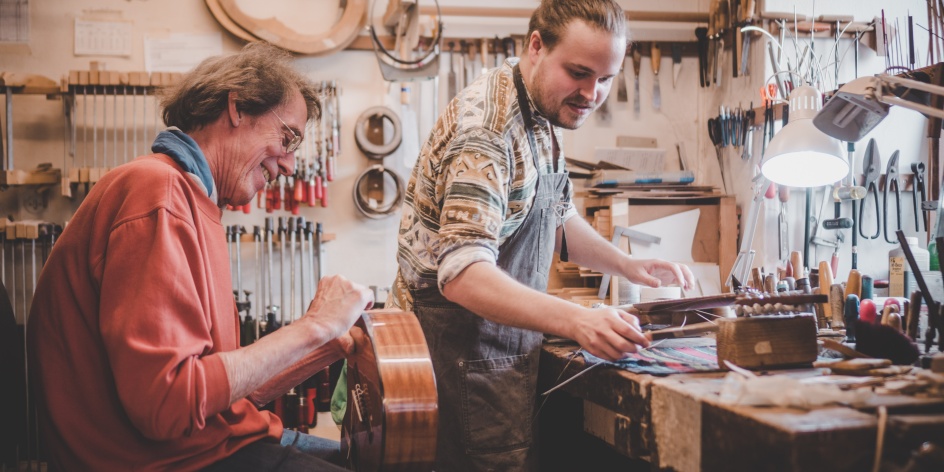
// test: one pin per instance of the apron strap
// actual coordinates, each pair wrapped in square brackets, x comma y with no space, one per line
[525,108]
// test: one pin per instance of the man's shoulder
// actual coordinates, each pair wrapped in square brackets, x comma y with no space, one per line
[488,103]
[143,185]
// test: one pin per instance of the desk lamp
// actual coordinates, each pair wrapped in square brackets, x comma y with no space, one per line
[800,155]
[861,104]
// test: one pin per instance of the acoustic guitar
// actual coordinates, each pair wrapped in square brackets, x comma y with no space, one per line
[392,408]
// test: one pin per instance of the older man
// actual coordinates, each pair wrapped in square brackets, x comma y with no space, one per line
[488,204]
[133,334]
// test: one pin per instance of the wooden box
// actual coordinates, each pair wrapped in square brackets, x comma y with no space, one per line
[763,342]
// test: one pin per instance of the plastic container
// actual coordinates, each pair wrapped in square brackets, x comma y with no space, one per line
[899,273]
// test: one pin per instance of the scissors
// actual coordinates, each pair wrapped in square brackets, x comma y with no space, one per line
[872,173]
[715,128]
[891,180]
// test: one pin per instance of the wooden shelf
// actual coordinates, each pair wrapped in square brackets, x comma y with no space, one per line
[44,176]
[631,15]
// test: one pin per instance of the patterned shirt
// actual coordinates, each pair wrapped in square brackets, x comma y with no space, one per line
[473,185]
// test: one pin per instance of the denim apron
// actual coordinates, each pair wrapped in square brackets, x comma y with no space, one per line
[486,373]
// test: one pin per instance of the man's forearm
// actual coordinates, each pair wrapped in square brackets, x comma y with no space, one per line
[492,294]
[254,366]
[297,373]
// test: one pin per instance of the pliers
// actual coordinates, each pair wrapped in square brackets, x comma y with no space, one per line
[872,173]
[917,169]
[891,180]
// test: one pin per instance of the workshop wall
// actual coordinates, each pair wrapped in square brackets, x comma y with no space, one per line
[365,250]
[902,130]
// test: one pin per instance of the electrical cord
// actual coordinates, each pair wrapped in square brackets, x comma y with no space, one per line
[392,60]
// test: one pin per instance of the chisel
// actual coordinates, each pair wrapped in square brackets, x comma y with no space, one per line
[637,63]
[656,64]
[676,63]
[451,77]
[621,92]
[9,110]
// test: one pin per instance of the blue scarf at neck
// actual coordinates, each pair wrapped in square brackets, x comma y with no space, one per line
[187,154]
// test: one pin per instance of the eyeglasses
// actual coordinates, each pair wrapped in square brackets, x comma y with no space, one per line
[289,144]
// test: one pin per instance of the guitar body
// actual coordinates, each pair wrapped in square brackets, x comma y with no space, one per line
[393,408]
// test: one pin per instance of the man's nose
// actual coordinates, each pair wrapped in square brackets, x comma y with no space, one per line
[287,163]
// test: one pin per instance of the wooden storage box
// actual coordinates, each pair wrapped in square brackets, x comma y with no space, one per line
[764,342]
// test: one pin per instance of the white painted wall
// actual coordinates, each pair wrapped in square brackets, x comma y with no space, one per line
[365,250]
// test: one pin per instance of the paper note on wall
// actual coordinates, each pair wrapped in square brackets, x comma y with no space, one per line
[638,159]
[677,232]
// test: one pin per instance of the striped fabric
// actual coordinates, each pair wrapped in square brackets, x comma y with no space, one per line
[472,186]
[665,359]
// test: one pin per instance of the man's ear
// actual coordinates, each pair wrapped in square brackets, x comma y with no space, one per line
[235,117]
[535,46]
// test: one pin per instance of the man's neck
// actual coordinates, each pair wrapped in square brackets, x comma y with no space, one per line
[525,66]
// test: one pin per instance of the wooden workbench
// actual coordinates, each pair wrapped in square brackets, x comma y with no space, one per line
[678,423]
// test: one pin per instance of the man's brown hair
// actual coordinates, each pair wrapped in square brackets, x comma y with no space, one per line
[552,17]
[261,75]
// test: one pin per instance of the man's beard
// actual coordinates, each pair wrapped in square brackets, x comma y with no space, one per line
[554,112]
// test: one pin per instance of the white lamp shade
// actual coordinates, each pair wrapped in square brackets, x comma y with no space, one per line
[801,155]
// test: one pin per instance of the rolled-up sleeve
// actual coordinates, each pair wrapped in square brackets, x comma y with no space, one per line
[475,201]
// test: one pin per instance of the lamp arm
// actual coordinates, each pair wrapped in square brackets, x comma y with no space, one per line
[887,80]
[923,109]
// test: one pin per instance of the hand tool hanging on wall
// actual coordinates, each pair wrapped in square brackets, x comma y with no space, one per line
[259,278]
[291,232]
[8,105]
[621,92]
[919,195]
[656,59]
[310,242]
[282,240]
[303,261]
[891,181]
[735,14]
[273,312]
[722,20]
[715,134]
[676,62]
[701,33]
[451,86]
[870,167]
[637,64]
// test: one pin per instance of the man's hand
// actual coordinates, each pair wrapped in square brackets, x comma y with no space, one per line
[656,272]
[337,305]
[608,333]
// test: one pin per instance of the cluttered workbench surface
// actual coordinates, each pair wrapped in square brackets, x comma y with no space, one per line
[791,420]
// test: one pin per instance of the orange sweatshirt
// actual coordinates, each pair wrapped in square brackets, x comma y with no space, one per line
[130,312]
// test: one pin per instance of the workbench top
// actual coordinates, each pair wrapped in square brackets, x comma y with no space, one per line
[678,422]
